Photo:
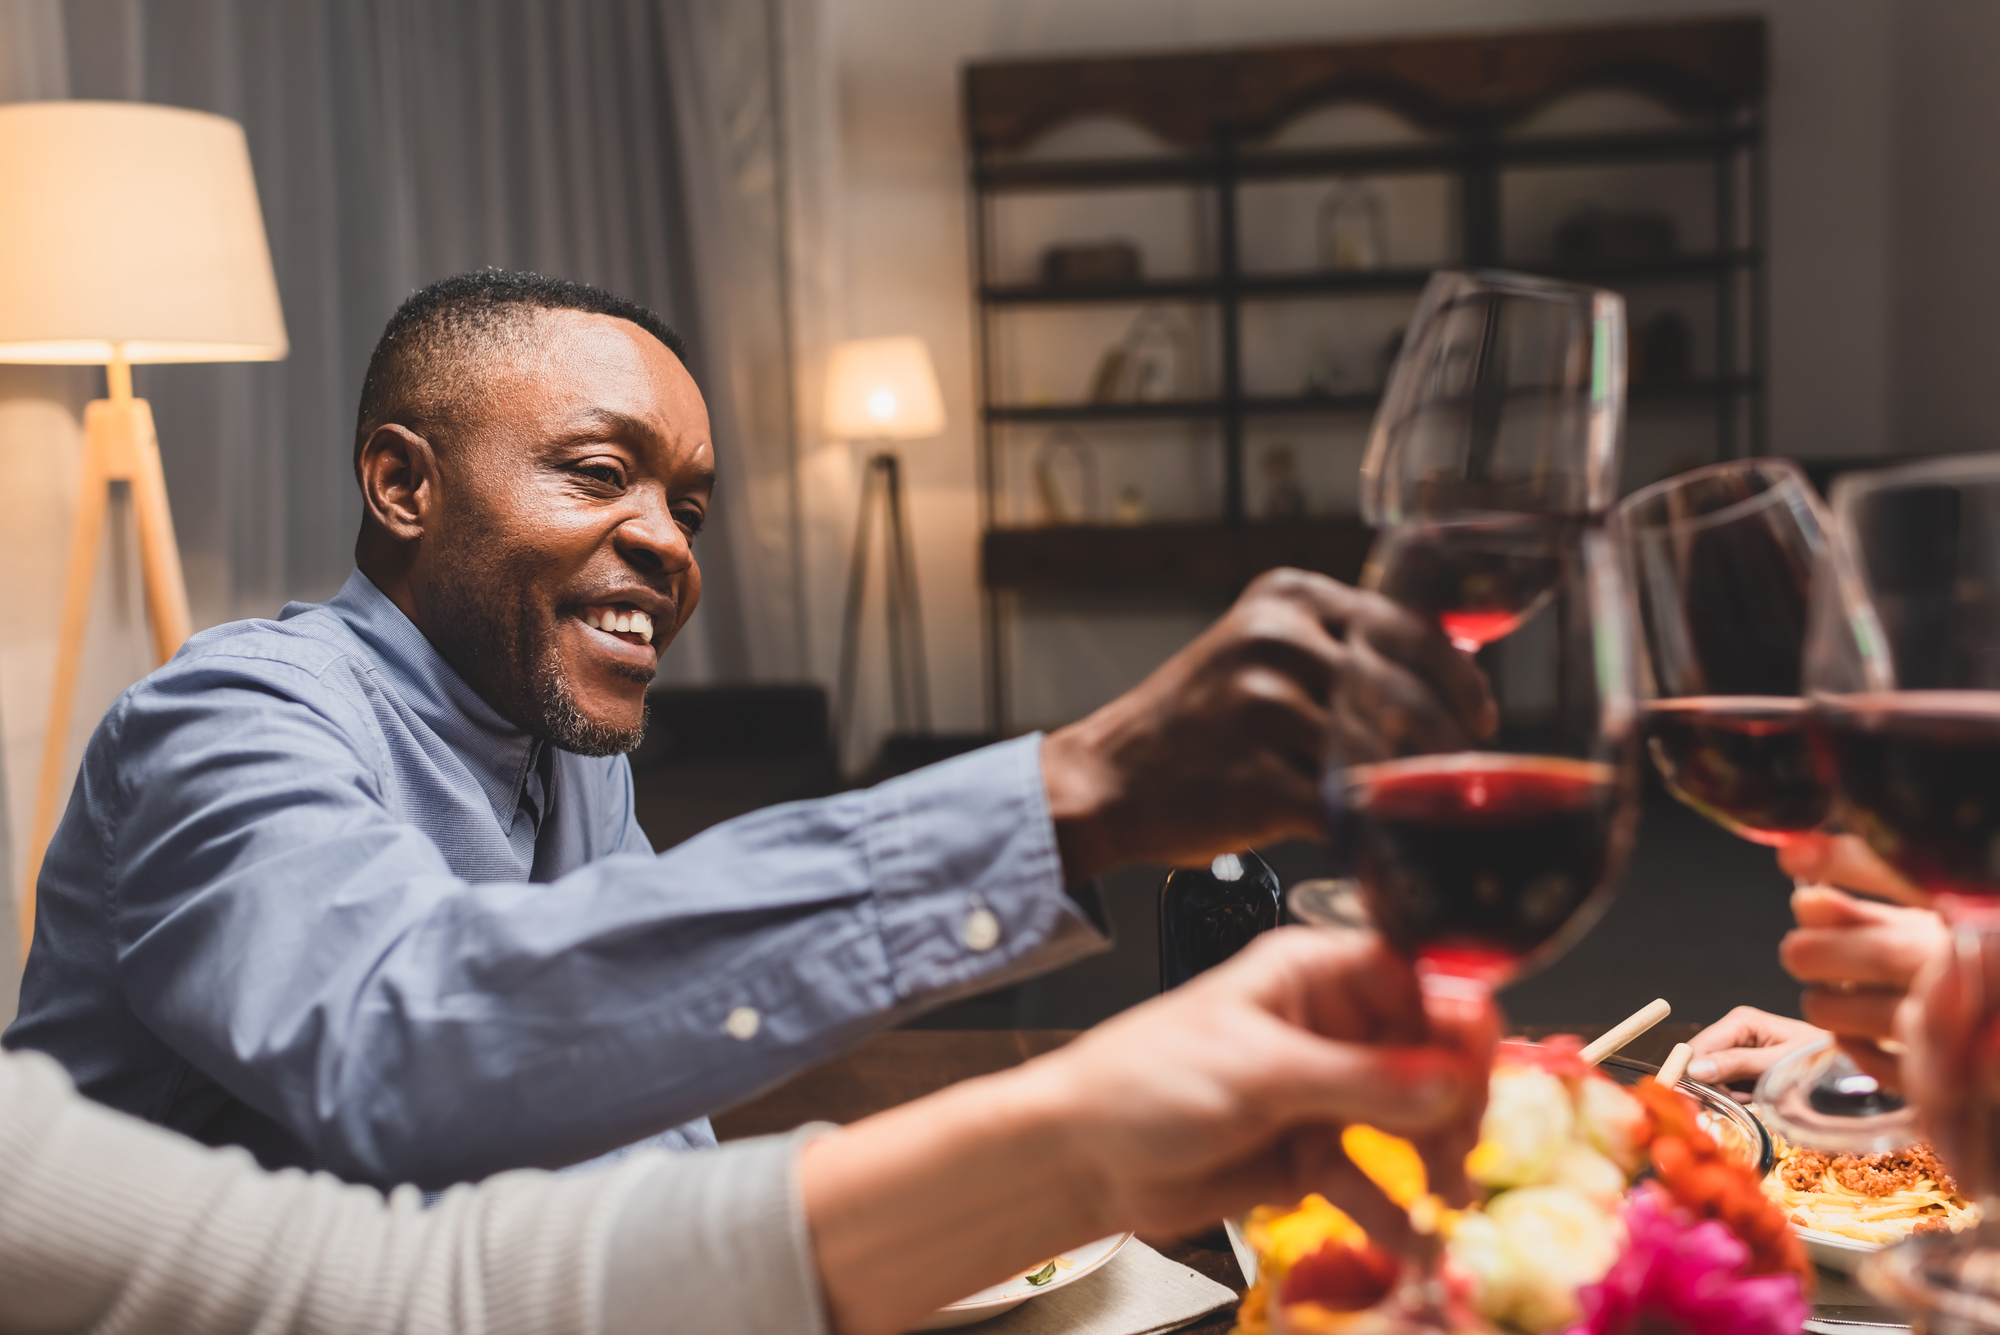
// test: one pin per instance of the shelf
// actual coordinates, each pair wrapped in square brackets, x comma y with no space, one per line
[1277,405]
[1196,557]
[1102,412]
[1456,155]
[1072,294]
[1310,283]
[1672,269]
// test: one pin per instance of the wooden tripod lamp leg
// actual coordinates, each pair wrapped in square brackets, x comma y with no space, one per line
[119,444]
[84,537]
[159,554]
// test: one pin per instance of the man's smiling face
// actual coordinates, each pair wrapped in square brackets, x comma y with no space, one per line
[555,560]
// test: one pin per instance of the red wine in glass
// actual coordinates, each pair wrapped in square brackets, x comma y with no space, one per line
[1744,761]
[1480,578]
[1920,781]
[1474,862]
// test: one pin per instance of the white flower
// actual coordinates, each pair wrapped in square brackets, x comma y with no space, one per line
[1528,1120]
[1614,1122]
[1478,1252]
[1582,1169]
[1557,1240]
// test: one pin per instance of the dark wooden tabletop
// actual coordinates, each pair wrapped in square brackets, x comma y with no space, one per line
[894,1068]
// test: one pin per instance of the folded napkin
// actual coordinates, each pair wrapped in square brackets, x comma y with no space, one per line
[1138,1292]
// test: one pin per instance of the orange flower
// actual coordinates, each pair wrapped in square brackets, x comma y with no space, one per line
[1710,1184]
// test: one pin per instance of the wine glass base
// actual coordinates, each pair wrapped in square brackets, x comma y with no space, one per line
[1817,1097]
[1947,1283]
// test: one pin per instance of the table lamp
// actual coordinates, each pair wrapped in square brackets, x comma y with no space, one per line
[884,389]
[128,233]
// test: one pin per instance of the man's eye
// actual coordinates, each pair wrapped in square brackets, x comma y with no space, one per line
[609,474]
[689,519]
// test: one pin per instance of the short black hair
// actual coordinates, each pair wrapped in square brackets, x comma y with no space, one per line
[418,373]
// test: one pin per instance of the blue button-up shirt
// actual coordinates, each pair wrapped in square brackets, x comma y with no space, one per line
[313,896]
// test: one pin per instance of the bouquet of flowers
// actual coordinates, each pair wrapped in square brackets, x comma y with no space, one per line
[1604,1211]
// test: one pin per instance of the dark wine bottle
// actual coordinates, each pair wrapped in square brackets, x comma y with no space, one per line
[1209,913]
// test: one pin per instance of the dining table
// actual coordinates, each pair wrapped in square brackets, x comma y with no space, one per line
[895,1067]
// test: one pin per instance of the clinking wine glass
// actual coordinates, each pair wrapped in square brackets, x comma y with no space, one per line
[1507,399]
[1903,670]
[1721,561]
[1497,438]
[1485,863]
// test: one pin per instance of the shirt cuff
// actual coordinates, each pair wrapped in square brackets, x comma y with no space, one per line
[716,1241]
[968,881]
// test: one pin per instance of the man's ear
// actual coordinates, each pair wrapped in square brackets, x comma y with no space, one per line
[399,481]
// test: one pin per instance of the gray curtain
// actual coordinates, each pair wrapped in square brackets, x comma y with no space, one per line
[397,141]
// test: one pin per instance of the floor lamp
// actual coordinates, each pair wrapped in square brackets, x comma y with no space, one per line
[884,389]
[128,233]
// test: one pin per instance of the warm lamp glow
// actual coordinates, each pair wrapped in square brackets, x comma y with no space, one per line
[882,389]
[136,227]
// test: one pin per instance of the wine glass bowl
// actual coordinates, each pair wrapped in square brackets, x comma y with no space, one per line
[1480,579]
[1722,563]
[1506,398]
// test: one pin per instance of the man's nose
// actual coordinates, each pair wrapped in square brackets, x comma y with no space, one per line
[651,540]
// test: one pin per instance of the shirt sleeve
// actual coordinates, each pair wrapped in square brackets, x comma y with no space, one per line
[109,1224]
[280,928]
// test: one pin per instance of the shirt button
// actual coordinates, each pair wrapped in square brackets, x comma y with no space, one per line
[743,1023]
[981,931]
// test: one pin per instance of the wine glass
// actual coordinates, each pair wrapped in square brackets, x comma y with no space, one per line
[1485,863]
[1903,669]
[1722,562]
[1507,399]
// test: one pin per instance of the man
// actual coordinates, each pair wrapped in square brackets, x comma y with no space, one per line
[361,888]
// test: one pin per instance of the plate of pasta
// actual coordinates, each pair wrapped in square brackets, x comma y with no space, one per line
[1845,1206]
[1054,1273]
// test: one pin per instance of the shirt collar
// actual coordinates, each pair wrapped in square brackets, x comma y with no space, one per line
[498,754]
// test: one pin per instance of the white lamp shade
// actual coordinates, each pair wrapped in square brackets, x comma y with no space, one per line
[133,225]
[882,388]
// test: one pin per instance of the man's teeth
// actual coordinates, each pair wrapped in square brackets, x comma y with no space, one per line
[619,619]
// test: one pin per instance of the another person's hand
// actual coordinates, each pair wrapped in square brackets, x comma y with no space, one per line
[1743,1044]
[1857,957]
[1225,1093]
[1222,747]
[1951,1064]
[1843,860]
[1232,1090]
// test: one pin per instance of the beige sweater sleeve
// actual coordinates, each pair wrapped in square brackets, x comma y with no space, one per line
[110,1225]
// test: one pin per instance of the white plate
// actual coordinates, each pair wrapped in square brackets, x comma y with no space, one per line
[1006,1297]
[1835,1252]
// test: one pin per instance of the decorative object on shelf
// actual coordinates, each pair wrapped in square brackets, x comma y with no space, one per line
[1330,377]
[128,233]
[1153,363]
[1131,508]
[1352,237]
[884,389]
[1066,478]
[1284,498]
[1081,263]
[1594,235]
[1663,350]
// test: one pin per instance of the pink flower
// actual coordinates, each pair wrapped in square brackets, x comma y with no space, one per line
[1682,1278]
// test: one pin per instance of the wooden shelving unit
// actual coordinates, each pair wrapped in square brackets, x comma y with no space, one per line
[1215,112]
